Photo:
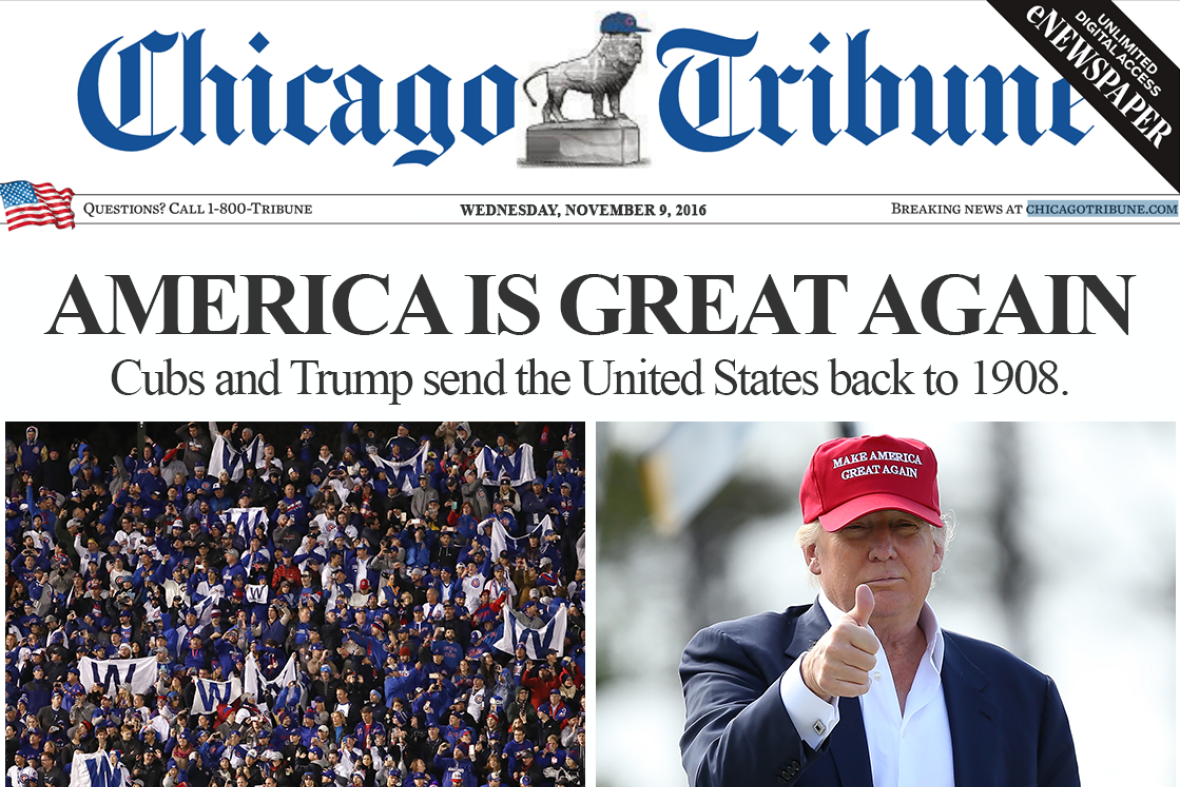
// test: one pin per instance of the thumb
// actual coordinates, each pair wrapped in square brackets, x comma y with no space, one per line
[864,606]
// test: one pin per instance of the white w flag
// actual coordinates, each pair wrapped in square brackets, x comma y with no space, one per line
[160,724]
[536,641]
[255,681]
[246,519]
[518,467]
[403,474]
[502,541]
[225,457]
[341,489]
[95,770]
[113,673]
[211,693]
[252,680]
[257,594]
[252,453]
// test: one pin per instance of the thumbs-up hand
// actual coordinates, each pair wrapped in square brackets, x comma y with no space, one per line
[839,664]
[863,610]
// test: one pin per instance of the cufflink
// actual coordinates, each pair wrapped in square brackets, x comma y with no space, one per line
[819,727]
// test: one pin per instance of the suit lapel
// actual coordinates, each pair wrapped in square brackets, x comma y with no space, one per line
[847,744]
[973,715]
[811,624]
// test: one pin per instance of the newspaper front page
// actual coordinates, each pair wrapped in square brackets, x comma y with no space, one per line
[676,244]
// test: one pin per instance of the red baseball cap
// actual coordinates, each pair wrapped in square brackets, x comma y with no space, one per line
[854,476]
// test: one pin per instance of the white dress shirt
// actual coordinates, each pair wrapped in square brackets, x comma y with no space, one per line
[910,750]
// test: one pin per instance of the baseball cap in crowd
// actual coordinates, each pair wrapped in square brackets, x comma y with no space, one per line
[851,477]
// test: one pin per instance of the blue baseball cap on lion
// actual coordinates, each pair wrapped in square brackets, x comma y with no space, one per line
[621,23]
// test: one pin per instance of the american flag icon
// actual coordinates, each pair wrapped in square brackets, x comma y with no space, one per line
[26,203]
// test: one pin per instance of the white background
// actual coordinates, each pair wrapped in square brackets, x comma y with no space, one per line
[1109,375]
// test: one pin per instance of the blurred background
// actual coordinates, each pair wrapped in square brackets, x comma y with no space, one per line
[1065,554]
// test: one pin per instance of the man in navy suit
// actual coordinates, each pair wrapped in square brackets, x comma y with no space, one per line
[863,687]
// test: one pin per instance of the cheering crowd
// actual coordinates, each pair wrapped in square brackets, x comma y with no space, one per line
[344,605]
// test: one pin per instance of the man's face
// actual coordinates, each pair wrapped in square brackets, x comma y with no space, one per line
[893,552]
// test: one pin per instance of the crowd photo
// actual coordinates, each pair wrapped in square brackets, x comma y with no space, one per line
[210,604]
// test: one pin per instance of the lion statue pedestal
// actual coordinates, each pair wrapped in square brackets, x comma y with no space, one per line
[610,141]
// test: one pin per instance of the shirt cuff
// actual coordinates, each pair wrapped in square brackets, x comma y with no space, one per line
[813,718]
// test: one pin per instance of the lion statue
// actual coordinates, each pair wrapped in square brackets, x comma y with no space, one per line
[603,73]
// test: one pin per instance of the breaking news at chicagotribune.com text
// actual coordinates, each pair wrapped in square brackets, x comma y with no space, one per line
[411,402]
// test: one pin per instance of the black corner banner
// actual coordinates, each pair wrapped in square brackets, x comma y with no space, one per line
[1114,66]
